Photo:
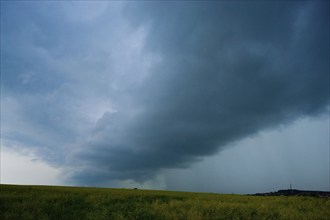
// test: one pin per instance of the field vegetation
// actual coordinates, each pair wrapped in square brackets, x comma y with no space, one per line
[50,202]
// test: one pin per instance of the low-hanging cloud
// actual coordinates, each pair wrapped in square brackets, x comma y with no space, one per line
[226,71]
[133,88]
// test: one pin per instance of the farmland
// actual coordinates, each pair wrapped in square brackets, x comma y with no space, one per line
[55,202]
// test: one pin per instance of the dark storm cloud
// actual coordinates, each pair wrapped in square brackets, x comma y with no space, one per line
[227,71]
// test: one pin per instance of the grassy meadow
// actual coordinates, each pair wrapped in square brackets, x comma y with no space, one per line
[55,202]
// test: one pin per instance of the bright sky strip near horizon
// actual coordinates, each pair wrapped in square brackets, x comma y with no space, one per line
[228,97]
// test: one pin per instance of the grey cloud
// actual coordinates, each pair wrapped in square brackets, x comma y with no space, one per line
[134,88]
[227,71]
[51,66]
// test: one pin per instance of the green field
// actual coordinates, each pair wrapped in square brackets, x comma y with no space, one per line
[50,202]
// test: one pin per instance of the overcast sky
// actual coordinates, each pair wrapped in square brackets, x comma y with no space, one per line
[228,97]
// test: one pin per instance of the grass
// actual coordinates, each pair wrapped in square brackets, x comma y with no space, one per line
[55,202]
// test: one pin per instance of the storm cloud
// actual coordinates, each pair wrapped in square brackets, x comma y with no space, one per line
[226,72]
[194,78]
